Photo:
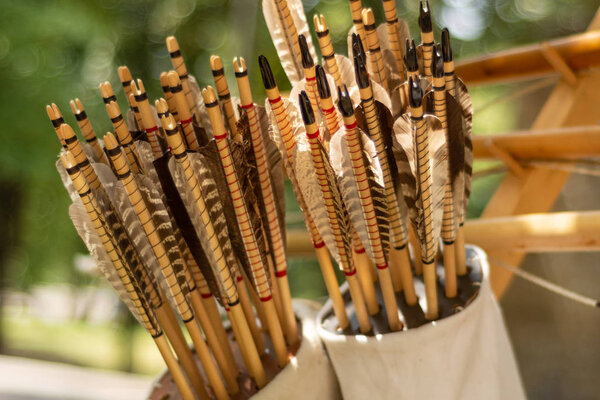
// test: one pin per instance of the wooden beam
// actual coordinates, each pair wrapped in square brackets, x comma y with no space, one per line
[578,52]
[549,144]
[538,189]
[545,232]
[541,232]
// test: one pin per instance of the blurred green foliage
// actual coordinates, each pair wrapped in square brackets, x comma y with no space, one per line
[54,51]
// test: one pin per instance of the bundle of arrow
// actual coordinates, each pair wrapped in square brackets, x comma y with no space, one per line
[183,204]
[392,162]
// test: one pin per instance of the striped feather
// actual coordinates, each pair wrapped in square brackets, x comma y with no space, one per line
[86,231]
[247,174]
[210,157]
[405,154]
[342,165]
[273,130]
[310,190]
[161,220]
[275,167]
[142,276]
[183,230]
[92,241]
[284,41]
[464,99]
[200,267]
[209,270]
[455,140]
[397,72]
[126,227]
[377,189]
[215,206]
[64,177]
[343,219]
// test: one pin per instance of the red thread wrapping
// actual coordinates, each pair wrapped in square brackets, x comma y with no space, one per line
[318,245]
[187,121]
[351,126]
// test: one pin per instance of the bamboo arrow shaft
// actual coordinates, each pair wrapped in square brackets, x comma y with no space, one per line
[146,113]
[340,241]
[366,200]
[400,259]
[393,30]
[185,116]
[428,247]
[259,271]
[182,72]
[87,130]
[448,223]
[175,369]
[75,148]
[289,142]
[264,178]
[332,119]
[356,11]
[124,136]
[327,51]
[125,176]
[223,92]
[290,28]
[378,71]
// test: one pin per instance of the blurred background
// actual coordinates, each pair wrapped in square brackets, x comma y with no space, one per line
[55,306]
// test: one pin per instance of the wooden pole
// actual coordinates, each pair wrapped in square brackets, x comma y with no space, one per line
[581,51]
[539,232]
[568,143]
[538,189]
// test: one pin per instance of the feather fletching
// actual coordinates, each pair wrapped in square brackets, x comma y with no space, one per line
[284,42]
